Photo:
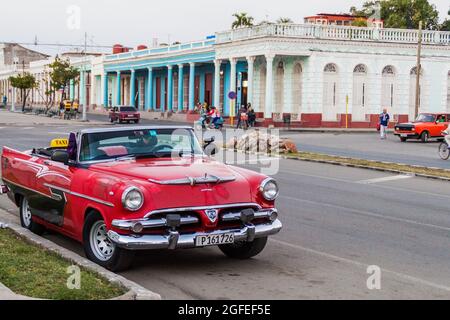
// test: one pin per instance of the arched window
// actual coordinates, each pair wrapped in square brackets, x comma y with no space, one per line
[279,88]
[297,89]
[413,90]
[262,88]
[360,93]
[330,91]
[388,88]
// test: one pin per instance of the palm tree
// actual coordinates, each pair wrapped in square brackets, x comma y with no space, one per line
[284,20]
[242,20]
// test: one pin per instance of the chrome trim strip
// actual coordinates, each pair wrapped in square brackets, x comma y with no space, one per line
[235,216]
[184,209]
[29,189]
[154,223]
[79,195]
[175,240]
[210,179]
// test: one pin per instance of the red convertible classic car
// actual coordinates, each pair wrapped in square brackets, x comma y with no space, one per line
[126,189]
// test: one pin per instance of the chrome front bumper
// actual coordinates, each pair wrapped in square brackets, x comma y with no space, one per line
[175,240]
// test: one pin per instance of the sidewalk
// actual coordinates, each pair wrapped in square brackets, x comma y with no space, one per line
[175,117]
[8,118]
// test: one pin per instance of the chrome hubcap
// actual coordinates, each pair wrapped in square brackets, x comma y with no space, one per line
[26,213]
[101,246]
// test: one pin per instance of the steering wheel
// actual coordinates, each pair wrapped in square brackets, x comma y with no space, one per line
[162,147]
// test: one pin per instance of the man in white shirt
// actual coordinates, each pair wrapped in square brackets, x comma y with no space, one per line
[447,135]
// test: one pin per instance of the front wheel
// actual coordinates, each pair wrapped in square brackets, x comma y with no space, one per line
[244,250]
[26,218]
[402,139]
[100,249]
[425,136]
[444,151]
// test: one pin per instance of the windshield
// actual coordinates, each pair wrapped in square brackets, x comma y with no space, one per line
[154,143]
[127,109]
[425,118]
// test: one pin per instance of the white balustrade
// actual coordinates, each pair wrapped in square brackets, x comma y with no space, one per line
[333,32]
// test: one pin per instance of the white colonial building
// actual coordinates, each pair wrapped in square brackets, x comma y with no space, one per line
[318,75]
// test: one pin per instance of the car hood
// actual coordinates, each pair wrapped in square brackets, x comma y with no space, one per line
[183,182]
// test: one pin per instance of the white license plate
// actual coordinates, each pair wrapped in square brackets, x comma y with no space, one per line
[404,135]
[130,116]
[214,240]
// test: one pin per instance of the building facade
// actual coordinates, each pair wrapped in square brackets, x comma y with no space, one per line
[315,75]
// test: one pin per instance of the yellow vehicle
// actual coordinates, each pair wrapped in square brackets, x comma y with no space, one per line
[69,105]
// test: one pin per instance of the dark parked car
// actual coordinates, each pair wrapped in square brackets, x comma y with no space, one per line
[123,114]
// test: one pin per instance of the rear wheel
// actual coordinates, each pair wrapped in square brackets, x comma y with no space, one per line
[100,249]
[244,250]
[26,218]
[402,139]
[425,136]
[444,152]
[136,121]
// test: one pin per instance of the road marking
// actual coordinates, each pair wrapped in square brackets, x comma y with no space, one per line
[369,214]
[386,179]
[252,161]
[27,128]
[362,265]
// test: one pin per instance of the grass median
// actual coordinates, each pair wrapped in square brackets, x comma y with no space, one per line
[34,272]
[438,173]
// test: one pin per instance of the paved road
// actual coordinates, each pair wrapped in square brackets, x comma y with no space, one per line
[338,221]
[370,146]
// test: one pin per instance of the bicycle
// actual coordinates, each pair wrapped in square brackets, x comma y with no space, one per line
[444,149]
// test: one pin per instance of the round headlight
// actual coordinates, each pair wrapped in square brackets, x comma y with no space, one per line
[269,189]
[132,199]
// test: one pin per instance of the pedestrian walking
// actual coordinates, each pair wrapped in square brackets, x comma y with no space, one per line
[61,109]
[5,100]
[384,123]
[242,117]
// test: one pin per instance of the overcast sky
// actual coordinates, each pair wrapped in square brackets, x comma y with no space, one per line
[133,22]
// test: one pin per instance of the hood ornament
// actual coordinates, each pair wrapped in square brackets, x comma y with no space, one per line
[207,179]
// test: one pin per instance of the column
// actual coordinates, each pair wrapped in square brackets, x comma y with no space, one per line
[250,62]
[149,95]
[169,88]
[269,87]
[82,88]
[217,64]
[105,90]
[180,87]
[118,89]
[191,86]
[163,94]
[133,88]
[72,90]
[233,62]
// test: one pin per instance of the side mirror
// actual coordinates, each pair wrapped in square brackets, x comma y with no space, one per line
[60,156]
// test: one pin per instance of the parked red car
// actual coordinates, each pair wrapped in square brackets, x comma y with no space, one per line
[426,126]
[122,190]
[123,114]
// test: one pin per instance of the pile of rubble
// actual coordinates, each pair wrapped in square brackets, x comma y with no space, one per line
[257,141]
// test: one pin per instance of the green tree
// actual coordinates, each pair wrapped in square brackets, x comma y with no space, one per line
[403,14]
[242,20]
[24,82]
[445,26]
[284,20]
[359,22]
[61,74]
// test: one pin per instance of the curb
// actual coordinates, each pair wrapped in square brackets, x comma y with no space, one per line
[337,163]
[135,291]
